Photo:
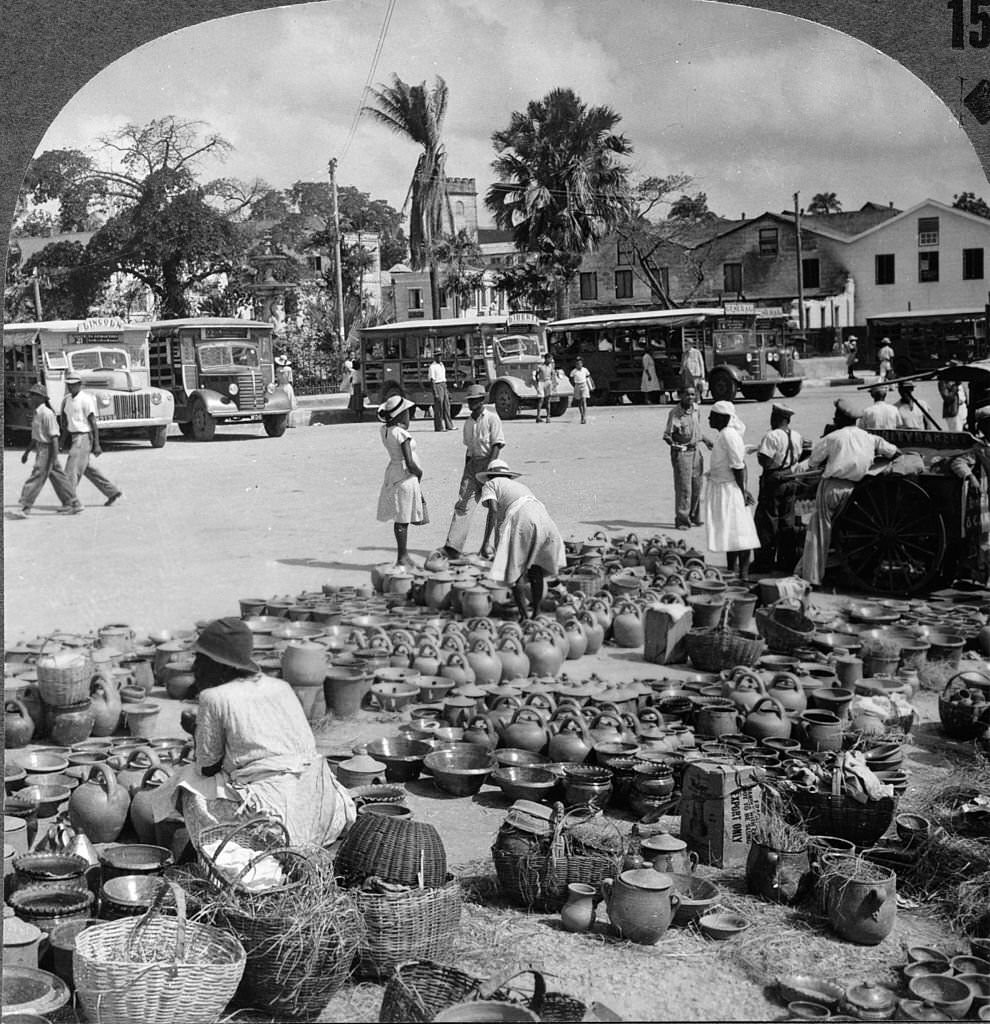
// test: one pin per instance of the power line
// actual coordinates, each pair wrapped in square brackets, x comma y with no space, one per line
[380,46]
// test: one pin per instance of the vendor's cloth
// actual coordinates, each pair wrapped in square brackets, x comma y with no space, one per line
[255,728]
[525,535]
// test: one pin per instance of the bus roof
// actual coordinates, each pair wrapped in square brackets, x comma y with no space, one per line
[922,314]
[209,321]
[644,318]
[99,327]
[452,324]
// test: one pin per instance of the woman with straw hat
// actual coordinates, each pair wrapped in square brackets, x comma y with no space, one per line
[528,545]
[400,499]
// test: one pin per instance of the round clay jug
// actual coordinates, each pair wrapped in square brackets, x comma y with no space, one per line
[485,662]
[786,689]
[106,705]
[426,660]
[569,740]
[745,691]
[71,724]
[514,660]
[766,719]
[99,806]
[526,731]
[142,819]
[640,904]
[457,667]
[135,767]
[627,625]
[577,639]
[481,732]
[545,658]
[18,726]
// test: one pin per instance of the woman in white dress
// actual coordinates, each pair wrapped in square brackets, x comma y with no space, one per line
[400,499]
[528,545]
[729,505]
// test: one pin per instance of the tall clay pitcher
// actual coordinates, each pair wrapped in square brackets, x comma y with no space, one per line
[99,806]
[105,704]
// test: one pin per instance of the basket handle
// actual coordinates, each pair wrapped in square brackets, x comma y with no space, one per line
[488,988]
[788,602]
[244,825]
[156,908]
[257,858]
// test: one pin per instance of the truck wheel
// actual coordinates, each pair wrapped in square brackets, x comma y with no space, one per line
[204,426]
[186,428]
[722,387]
[559,406]
[275,425]
[506,402]
[758,392]
[791,390]
[158,436]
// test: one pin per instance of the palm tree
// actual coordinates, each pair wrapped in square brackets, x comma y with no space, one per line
[417,112]
[824,202]
[559,190]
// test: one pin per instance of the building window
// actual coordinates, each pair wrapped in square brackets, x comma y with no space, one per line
[623,284]
[884,266]
[732,278]
[589,286]
[972,264]
[443,298]
[927,231]
[414,298]
[624,253]
[927,266]
[315,263]
[810,273]
[768,241]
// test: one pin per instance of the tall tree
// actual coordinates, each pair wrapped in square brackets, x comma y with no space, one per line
[971,203]
[692,208]
[417,112]
[560,189]
[824,202]
[459,256]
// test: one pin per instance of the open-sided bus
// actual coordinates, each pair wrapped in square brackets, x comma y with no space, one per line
[498,352]
[923,340]
[219,370]
[744,352]
[108,355]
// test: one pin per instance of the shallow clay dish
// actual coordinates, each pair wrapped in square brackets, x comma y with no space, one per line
[809,989]
[722,926]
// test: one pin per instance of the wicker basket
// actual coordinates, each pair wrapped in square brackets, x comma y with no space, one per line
[784,626]
[156,968]
[402,925]
[581,580]
[417,991]
[263,835]
[64,677]
[715,648]
[398,850]
[287,977]
[964,721]
[828,814]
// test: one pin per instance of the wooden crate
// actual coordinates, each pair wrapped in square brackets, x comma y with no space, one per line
[719,805]
[663,642]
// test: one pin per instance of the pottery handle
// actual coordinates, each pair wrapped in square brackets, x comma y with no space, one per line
[675,900]
[879,896]
[693,860]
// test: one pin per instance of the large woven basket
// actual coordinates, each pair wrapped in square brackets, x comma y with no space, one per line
[828,814]
[397,850]
[156,969]
[784,626]
[64,677]
[964,721]
[714,648]
[417,991]
[581,580]
[260,834]
[399,926]
[288,977]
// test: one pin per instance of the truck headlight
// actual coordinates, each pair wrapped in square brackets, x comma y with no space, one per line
[232,389]
[771,357]
[749,357]
[156,398]
[104,400]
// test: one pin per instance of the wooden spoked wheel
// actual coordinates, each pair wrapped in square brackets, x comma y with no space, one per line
[890,536]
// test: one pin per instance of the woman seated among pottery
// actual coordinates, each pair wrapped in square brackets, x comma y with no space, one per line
[528,545]
[254,749]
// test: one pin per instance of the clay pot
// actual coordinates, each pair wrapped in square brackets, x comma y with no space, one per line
[669,854]
[861,911]
[627,625]
[778,876]
[836,699]
[767,719]
[71,724]
[437,590]
[142,719]
[578,913]
[526,731]
[18,726]
[545,657]
[822,731]
[640,904]
[344,689]
[142,819]
[717,717]
[475,601]
[848,670]
[106,706]
[569,740]
[587,785]
[99,806]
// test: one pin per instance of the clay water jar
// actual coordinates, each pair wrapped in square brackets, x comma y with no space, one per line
[18,725]
[178,676]
[767,719]
[861,910]
[640,904]
[142,719]
[848,670]
[578,913]
[70,724]
[669,854]
[822,731]
[106,706]
[475,601]
[344,689]
[778,876]
[99,806]
[741,604]
[716,716]
[437,590]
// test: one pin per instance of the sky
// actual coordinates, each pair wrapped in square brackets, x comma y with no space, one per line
[754,105]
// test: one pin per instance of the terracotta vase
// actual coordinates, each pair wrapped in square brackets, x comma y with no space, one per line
[344,689]
[71,724]
[578,913]
[778,876]
[863,912]
[640,904]
[106,705]
[141,815]
[99,806]
[18,726]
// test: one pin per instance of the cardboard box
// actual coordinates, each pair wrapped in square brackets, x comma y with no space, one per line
[664,635]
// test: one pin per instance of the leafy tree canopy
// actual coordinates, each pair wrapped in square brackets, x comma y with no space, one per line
[971,204]
[824,202]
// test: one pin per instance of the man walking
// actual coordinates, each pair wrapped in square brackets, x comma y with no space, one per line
[80,425]
[483,441]
[683,434]
[44,443]
[441,397]
[544,379]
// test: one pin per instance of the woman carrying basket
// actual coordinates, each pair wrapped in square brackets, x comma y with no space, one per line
[255,752]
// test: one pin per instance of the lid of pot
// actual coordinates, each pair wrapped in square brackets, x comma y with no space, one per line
[664,842]
[647,878]
[362,763]
[870,995]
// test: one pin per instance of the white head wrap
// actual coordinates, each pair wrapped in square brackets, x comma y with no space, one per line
[728,409]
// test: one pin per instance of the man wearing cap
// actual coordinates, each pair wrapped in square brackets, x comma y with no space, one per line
[912,413]
[851,349]
[483,441]
[881,415]
[44,443]
[778,454]
[254,749]
[683,434]
[973,466]
[885,356]
[81,427]
[847,454]
[441,397]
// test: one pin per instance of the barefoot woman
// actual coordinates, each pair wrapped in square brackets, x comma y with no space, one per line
[400,498]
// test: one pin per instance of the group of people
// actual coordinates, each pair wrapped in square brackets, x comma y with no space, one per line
[74,429]
[691,372]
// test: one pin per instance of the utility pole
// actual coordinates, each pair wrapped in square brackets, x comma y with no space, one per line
[337,252]
[800,262]
[37,293]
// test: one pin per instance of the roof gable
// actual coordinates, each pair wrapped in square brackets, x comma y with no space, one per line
[927,204]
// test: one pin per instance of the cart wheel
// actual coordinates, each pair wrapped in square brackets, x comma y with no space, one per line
[890,537]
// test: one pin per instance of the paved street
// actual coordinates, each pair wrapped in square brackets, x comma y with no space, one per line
[202,525]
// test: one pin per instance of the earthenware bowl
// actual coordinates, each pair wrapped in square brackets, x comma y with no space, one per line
[722,925]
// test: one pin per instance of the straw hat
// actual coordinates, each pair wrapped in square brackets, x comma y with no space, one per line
[38,389]
[474,392]
[497,467]
[393,406]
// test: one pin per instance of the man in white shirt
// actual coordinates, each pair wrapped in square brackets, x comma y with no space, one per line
[847,454]
[441,398]
[912,413]
[885,355]
[44,443]
[778,453]
[881,415]
[693,369]
[80,424]
[483,441]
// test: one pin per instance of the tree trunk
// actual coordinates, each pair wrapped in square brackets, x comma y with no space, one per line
[434,289]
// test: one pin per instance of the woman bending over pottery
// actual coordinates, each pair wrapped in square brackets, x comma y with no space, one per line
[528,545]
[729,505]
[400,499]
[254,750]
